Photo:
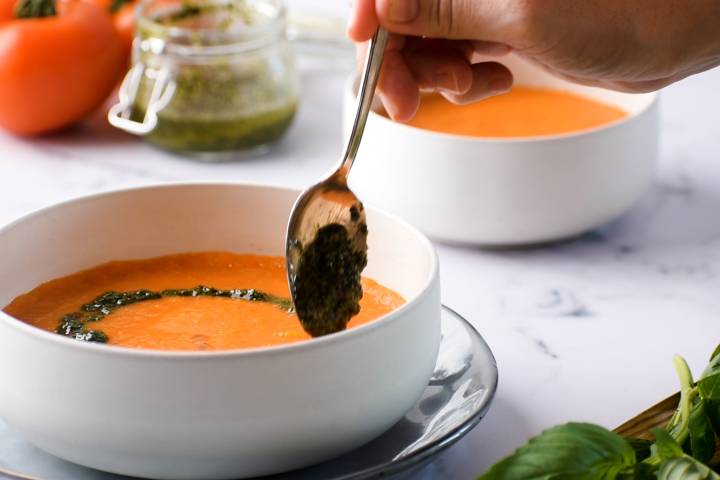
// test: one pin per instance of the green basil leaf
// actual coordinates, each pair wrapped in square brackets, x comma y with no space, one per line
[575,451]
[709,387]
[716,353]
[665,445]
[685,468]
[709,383]
[702,437]
[641,471]
[641,447]
[712,407]
[713,367]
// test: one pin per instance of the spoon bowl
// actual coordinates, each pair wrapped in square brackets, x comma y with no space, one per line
[327,202]
[326,255]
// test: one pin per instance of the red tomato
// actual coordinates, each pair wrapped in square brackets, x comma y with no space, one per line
[56,69]
[123,12]
[124,20]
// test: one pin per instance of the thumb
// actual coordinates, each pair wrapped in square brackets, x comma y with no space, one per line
[486,20]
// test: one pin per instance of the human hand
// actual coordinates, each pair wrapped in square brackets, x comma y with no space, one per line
[635,46]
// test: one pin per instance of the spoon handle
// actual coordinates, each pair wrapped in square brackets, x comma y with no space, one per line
[366,93]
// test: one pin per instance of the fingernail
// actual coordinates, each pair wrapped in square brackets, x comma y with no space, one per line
[404,11]
[446,82]
[389,107]
[500,84]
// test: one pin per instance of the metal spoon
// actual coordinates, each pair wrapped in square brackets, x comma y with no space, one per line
[331,204]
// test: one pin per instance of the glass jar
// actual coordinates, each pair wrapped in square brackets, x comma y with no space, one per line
[209,77]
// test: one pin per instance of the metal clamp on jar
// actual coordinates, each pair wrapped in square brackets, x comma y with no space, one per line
[209,77]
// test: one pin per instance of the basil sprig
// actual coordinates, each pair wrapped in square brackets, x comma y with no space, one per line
[582,451]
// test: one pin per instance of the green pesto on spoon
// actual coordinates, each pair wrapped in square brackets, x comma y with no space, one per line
[326,243]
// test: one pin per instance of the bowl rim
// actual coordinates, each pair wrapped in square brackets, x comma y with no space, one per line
[653,101]
[276,350]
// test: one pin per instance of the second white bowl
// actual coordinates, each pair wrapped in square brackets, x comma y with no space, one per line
[509,191]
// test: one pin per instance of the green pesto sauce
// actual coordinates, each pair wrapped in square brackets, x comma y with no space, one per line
[75,324]
[327,287]
[188,134]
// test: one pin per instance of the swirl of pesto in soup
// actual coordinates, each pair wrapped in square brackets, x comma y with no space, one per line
[137,303]
[75,324]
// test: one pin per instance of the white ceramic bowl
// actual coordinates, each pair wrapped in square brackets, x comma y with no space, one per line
[204,415]
[509,191]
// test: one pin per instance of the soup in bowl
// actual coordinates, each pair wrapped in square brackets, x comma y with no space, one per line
[192,403]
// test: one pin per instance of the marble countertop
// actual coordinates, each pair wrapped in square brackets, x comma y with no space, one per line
[582,330]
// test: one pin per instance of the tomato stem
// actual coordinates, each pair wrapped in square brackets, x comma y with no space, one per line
[35,9]
[118,4]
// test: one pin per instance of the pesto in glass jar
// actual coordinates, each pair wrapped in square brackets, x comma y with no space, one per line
[211,76]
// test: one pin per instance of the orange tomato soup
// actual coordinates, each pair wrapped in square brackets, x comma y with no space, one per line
[187,323]
[522,112]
